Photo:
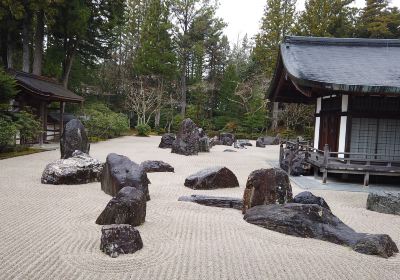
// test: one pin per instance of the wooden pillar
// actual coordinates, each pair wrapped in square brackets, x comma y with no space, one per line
[62,108]
[366,179]
[325,171]
[43,121]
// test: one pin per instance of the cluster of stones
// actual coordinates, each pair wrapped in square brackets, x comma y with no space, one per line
[128,183]
[75,165]
[268,202]
[267,140]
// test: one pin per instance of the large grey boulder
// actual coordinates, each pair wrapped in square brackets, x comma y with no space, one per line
[314,221]
[384,202]
[212,178]
[119,171]
[309,198]
[120,239]
[78,169]
[151,166]
[187,139]
[260,143]
[214,201]
[299,165]
[166,141]
[128,207]
[267,186]
[74,138]
[227,139]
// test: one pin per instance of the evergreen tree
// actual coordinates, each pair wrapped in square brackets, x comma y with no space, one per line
[277,22]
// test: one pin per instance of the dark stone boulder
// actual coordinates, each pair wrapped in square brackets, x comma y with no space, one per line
[230,151]
[267,186]
[204,145]
[309,198]
[384,202]
[166,141]
[298,162]
[227,139]
[259,143]
[78,169]
[214,201]
[119,171]
[120,239]
[187,139]
[156,166]
[314,221]
[244,143]
[212,178]
[202,133]
[269,140]
[128,207]
[74,138]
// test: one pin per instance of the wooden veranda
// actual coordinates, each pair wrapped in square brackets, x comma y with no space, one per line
[325,161]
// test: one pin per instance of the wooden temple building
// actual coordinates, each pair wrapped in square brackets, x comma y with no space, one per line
[46,98]
[355,87]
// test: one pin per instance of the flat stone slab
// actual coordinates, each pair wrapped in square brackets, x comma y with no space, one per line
[214,201]
[78,169]
[212,178]
[314,221]
[128,207]
[120,239]
[384,202]
[151,166]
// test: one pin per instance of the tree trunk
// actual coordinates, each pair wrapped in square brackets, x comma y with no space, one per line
[159,100]
[67,64]
[26,52]
[39,37]
[183,87]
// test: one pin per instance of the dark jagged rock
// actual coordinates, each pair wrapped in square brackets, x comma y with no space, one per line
[156,166]
[128,207]
[309,198]
[214,201]
[259,143]
[120,239]
[187,139]
[384,202]
[119,171]
[299,164]
[267,186]
[212,178]
[202,133]
[204,145]
[269,140]
[244,143]
[74,138]
[78,169]
[314,221]
[166,141]
[227,139]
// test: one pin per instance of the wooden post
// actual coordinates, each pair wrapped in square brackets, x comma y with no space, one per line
[42,119]
[326,155]
[62,107]
[366,179]
[45,122]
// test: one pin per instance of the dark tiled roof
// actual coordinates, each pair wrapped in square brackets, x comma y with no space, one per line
[353,65]
[45,87]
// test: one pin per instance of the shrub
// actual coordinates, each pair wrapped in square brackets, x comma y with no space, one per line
[103,123]
[7,132]
[143,129]
[28,125]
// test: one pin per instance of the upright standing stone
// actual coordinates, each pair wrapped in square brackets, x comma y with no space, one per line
[119,171]
[128,207]
[74,138]
[187,139]
[204,145]
[267,186]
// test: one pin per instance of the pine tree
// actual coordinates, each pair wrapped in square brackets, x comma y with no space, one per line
[375,20]
[277,22]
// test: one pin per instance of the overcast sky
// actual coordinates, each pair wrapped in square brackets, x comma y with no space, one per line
[244,16]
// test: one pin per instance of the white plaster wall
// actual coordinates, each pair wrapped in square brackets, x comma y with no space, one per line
[316,132]
[343,125]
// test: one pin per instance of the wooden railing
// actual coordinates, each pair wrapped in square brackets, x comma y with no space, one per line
[343,162]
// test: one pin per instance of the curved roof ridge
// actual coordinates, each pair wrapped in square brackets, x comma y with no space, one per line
[341,41]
